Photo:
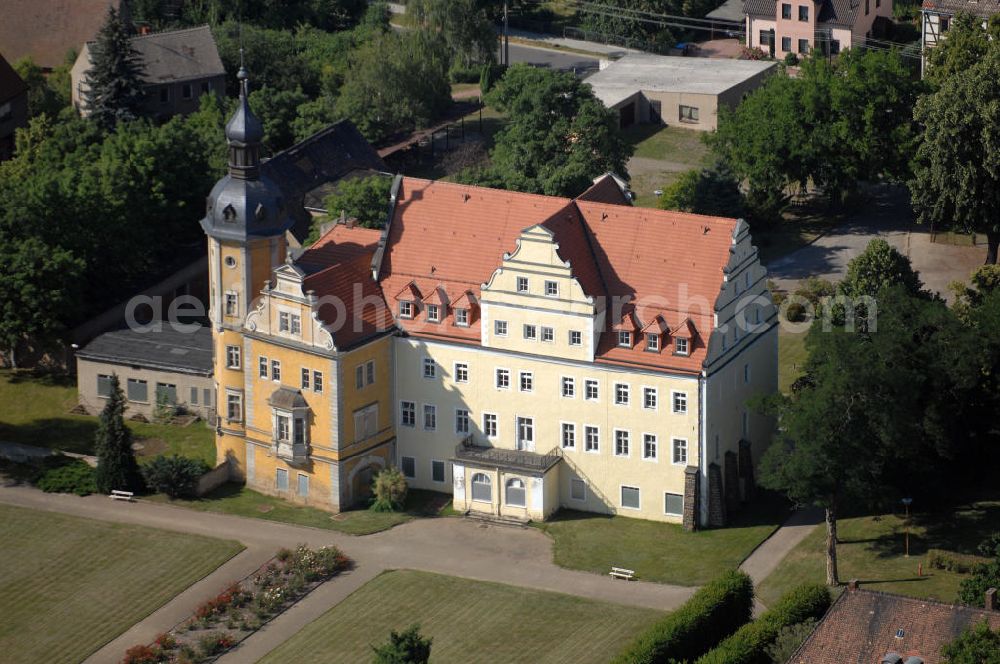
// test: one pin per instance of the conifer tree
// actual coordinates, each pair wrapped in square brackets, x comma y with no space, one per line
[116,464]
[115,76]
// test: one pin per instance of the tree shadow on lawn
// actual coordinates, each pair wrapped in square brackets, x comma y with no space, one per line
[73,433]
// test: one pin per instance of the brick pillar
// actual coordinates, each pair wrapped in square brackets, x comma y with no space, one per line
[691,498]
[732,483]
[716,502]
[746,470]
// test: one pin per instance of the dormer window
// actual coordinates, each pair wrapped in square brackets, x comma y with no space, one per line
[624,339]
[462,317]
[652,342]
[433,313]
[289,323]
[229,214]
[681,346]
[406,309]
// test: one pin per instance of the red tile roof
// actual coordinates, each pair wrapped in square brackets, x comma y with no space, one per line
[47,29]
[862,627]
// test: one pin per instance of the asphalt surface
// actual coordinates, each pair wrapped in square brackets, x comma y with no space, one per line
[552,59]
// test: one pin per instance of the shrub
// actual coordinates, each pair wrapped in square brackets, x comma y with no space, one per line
[165,642]
[389,488]
[788,641]
[459,74]
[749,644]
[175,475]
[949,561]
[75,477]
[215,643]
[791,60]
[714,612]
[407,647]
[141,655]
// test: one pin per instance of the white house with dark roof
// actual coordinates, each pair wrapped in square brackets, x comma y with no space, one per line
[780,27]
[936,17]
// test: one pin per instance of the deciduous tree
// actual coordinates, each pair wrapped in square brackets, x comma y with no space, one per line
[365,199]
[976,645]
[406,647]
[466,25]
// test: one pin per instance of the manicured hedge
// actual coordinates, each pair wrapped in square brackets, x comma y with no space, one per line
[714,612]
[748,645]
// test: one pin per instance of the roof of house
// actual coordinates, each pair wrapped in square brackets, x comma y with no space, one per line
[11,85]
[982,8]
[166,349]
[179,55]
[831,12]
[730,10]
[446,240]
[665,73]
[47,30]
[863,626]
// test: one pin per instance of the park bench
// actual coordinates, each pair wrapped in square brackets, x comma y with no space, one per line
[121,495]
[622,573]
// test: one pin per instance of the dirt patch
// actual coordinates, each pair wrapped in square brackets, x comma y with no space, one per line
[264,509]
[149,446]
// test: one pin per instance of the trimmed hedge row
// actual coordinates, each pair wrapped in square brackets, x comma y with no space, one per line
[714,612]
[748,645]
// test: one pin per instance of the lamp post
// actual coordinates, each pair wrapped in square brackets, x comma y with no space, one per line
[906,503]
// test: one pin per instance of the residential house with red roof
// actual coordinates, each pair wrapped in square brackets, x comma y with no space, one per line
[523,353]
[780,27]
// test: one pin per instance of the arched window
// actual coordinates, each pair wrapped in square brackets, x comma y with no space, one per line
[482,490]
[515,493]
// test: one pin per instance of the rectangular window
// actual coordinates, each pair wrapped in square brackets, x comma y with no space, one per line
[281,479]
[276,370]
[500,328]
[575,338]
[764,37]
[630,497]
[233,357]
[786,44]
[552,288]
[406,309]
[621,443]
[652,342]
[945,24]
[370,372]
[166,392]
[680,451]
[548,334]
[592,439]
[437,471]
[138,390]
[568,436]
[296,324]
[590,390]
[359,376]
[527,381]
[205,87]
[303,485]
[282,428]
[461,372]
[804,12]
[834,50]
[786,10]
[681,346]
[690,113]
[462,317]
[680,402]
[206,396]
[430,417]
[621,394]
[284,324]
[530,332]
[186,91]
[746,373]
[430,368]
[624,339]
[649,447]
[522,284]
[568,387]
[305,379]
[234,407]
[673,503]
[525,433]
[317,381]
[503,379]
[194,396]
[408,466]
[433,313]
[103,385]
[803,46]
[262,366]
[407,413]
[867,7]
[490,425]
[461,421]
[649,398]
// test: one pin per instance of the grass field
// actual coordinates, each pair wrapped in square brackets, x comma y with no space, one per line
[36,412]
[238,500]
[70,585]
[871,549]
[660,551]
[674,150]
[791,357]
[469,621]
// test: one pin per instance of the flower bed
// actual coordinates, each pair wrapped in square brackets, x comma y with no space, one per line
[220,623]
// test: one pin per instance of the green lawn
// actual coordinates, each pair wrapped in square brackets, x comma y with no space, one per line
[791,357]
[675,151]
[469,621]
[70,585]
[660,551]
[871,549]
[36,412]
[238,500]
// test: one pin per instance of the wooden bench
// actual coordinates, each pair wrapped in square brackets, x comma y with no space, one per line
[622,573]
[121,495]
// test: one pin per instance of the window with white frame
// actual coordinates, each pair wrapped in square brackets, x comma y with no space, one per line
[650,449]
[568,436]
[624,339]
[430,368]
[233,357]
[359,376]
[527,381]
[514,492]
[522,284]
[369,372]
[568,387]
[276,370]
[577,489]
[673,504]
[408,466]
[366,422]
[461,421]
[650,398]
[305,379]
[681,346]
[630,497]
[406,309]
[437,471]
[548,334]
[575,338]
[503,379]
[552,288]
[234,406]
[525,433]
[490,425]
[621,394]
[194,396]
[262,366]
[482,488]
[680,402]
[138,390]
[232,303]
[591,439]
[500,328]
[430,417]
[104,385]
[591,392]
[680,451]
[621,443]
[461,372]
[530,332]
[462,317]
[434,313]
[317,381]
[408,413]
[652,342]
[281,479]
[296,324]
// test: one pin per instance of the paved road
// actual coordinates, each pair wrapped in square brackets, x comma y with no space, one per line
[773,550]
[552,59]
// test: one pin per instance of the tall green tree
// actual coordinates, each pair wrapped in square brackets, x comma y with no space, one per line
[114,81]
[116,465]
[406,647]
[966,45]
[467,27]
[976,645]
[277,110]
[956,181]
[365,199]
[879,266]
[43,97]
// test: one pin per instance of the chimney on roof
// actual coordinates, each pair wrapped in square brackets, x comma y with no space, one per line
[350,223]
[991,603]
[852,584]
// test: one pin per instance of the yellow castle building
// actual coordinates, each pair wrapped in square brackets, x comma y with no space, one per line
[523,353]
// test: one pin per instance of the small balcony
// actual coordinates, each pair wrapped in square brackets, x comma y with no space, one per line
[292,453]
[520,460]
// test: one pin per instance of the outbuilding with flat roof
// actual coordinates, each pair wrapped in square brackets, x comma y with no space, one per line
[674,90]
